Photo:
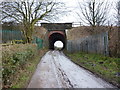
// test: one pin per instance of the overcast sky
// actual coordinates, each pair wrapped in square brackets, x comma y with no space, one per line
[73,6]
[72,17]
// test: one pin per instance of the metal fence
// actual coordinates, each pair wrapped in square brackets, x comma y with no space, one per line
[90,44]
[38,41]
[8,35]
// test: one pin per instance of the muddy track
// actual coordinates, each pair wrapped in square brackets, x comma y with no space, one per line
[55,70]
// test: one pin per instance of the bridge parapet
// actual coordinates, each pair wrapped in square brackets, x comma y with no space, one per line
[56,26]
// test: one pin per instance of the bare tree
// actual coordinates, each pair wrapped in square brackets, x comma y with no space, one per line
[28,13]
[118,12]
[93,12]
[118,23]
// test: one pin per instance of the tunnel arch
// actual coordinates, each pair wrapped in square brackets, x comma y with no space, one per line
[56,36]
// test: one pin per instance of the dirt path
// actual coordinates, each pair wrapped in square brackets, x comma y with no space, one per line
[55,70]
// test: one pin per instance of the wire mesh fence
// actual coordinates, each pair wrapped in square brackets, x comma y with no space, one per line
[90,44]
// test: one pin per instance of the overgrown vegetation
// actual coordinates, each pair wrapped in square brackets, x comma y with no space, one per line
[23,78]
[106,67]
[19,62]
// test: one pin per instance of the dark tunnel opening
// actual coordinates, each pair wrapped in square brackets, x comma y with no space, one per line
[56,37]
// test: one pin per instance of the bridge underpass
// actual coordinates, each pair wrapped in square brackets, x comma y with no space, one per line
[56,36]
[56,32]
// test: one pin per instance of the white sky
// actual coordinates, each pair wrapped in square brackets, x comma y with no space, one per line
[72,17]
[73,5]
[58,44]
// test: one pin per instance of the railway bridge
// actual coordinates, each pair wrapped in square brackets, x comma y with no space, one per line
[56,32]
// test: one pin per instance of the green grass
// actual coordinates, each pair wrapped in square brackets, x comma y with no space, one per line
[23,76]
[105,67]
[14,60]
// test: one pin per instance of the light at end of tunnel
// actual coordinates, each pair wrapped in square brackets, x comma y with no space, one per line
[58,45]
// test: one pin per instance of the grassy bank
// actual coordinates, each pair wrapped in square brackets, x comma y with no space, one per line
[19,63]
[105,67]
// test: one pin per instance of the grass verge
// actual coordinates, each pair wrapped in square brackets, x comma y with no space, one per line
[107,68]
[23,76]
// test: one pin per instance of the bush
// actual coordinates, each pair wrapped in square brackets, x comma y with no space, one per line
[14,58]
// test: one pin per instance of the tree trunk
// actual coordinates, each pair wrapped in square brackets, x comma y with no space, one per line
[29,33]
[118,46]
[29,40]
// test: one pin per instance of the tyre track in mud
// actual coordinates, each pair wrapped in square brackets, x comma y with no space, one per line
[63,77]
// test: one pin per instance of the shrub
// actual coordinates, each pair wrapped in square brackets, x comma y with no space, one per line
[14,58]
